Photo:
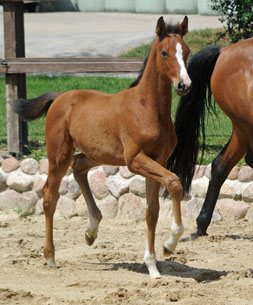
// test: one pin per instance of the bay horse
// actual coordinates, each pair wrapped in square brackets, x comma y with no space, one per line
[227,74]
[132,128]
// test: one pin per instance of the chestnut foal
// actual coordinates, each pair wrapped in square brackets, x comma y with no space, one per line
[132,128]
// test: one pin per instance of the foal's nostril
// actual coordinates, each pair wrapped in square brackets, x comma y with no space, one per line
[181,86]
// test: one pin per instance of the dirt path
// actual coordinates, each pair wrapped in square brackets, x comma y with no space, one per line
[217,269]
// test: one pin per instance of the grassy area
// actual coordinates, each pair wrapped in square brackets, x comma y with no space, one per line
[218,130]
[37,85]
[196,40]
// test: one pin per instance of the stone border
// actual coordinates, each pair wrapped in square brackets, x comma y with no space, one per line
[118,192]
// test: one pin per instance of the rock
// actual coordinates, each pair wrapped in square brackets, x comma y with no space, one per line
[208,172]
[9,199]
[110,170]
[10,165]
[44,166]
[249,215]
[38,185]
[199,189]
[39,207]
[247,194]
[116,185]
[138,186]
[28,201]
[108,206]
[29,166]
[20,182]
[231,209]
[131,207]
[245,174]
[3,185]
[66,207]
[125,172]
[73,189]
[81,206]
[193,207]
[64,186]
[233,175]
[199,171]
[227,191]
[97,183]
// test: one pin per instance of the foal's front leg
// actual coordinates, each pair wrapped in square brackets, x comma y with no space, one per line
[152,213]
[145,166]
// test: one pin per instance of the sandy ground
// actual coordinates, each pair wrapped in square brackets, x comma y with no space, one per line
[217,269]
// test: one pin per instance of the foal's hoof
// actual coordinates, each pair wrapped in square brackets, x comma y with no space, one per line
[166,252]
[89,239]
[51,264]
[55,267]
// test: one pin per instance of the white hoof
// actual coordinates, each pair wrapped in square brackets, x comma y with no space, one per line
[150,262]
[154,273]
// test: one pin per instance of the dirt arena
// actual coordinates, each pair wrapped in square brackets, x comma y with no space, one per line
[217,269]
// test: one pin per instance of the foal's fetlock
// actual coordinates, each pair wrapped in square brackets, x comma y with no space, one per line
[171,244]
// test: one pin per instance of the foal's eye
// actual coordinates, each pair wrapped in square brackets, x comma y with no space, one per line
[164,53]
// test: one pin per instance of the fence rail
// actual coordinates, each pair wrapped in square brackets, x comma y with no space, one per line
[70,65]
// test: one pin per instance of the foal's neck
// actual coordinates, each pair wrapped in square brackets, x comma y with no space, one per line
[154,87]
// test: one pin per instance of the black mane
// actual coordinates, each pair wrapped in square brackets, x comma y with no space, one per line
[171,29]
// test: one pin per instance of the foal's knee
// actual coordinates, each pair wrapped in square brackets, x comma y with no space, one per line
[174,186]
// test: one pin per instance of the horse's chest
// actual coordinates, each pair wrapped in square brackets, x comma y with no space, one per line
[159,146]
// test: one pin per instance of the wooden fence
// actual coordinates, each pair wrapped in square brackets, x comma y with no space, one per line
[15,66]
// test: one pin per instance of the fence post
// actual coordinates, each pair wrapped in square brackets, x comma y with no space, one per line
[14,46]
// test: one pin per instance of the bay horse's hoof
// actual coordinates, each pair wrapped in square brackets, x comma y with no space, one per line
[89,239]
[166,252]
[195,236]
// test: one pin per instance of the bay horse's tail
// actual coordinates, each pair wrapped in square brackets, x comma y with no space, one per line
[190,116]
[34,108]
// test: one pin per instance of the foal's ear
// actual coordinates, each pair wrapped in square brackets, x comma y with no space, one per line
[183,27]
[160,28]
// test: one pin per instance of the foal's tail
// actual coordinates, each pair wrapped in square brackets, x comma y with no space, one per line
[190,116]
[34,108]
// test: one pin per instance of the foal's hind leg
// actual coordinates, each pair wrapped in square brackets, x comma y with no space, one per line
[51,196]
[145,166]
[81,166]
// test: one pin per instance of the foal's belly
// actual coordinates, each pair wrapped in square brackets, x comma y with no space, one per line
[102,148]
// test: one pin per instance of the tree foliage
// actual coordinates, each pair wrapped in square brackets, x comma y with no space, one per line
[238,16]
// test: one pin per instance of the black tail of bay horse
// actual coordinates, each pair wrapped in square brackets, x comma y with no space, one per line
[190,116]
[226,73]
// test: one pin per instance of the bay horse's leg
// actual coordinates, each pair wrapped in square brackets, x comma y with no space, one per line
[81,166]
[152,212]
[51,196]
[145,166]
[221,167]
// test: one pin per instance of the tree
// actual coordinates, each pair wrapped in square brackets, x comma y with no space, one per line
[238,15]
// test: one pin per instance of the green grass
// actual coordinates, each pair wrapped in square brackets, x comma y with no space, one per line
[217,133]
[37,85]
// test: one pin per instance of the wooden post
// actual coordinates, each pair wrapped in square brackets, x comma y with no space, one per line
[14,46]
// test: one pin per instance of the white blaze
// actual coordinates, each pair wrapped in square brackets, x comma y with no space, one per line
[183,72]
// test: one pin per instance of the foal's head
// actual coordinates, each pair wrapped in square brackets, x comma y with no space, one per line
[171,55]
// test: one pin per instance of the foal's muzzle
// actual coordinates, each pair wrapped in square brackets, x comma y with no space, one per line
[183,87]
